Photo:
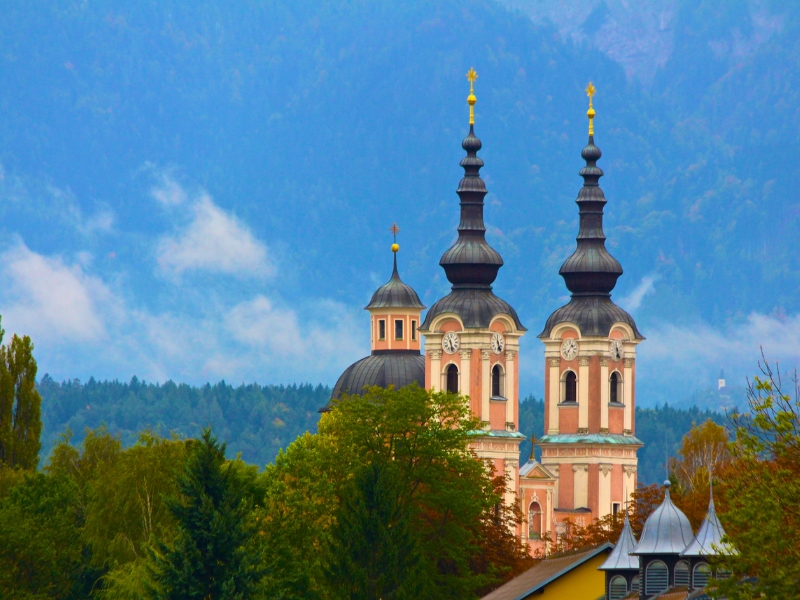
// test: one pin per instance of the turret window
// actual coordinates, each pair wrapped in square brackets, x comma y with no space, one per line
[617,588]
[452,379]
[381,329]
[414,330]
[534,521]
[570,387]
[398,329]
[656,578]
[682,573]
[614,388]
[700,576]
[635,583]
[497,381]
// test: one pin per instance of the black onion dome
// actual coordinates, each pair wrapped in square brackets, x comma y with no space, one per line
[591,270]
[471,261]
[476,308]
[590,273]
[395,294]
[383,368]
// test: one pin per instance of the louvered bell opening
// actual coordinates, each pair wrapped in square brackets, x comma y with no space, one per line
[656,579]
[617,588]
[700,576]
[635,583]
[682,573]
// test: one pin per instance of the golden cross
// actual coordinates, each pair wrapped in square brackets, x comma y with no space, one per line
[590,91]
[395,230]
[471,99]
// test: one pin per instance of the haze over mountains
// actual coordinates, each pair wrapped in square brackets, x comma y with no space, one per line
[204,191]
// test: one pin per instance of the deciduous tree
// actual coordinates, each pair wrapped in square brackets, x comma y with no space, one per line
[20,405]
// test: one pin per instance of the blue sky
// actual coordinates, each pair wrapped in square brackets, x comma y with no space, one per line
[205,193]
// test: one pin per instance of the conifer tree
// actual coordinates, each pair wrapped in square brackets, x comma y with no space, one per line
[20,404]
[373,552]
[211,557]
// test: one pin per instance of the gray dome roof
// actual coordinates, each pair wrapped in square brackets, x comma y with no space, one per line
[383,368]
[594,315]
[666,531]
[709,535]
[476,307]
[621,558]
[395,294]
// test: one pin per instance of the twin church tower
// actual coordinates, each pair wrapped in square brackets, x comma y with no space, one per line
[471,347]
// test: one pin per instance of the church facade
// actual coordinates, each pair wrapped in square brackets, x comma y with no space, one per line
[472,347]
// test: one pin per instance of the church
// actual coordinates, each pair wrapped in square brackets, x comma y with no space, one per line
[471,347]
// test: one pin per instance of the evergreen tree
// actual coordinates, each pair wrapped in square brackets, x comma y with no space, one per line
[20,405]
[211,557]
[373,551]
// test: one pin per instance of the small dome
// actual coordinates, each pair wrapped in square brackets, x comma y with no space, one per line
[395,294]
[383,368]
[708,541]
[666,531]
[476,307]
[621,558]
[593,315]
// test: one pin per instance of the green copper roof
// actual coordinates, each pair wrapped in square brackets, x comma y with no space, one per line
[498,433]
[590,438]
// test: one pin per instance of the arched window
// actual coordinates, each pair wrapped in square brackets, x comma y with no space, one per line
[635,583]
[700,576]
[656,578]
[570,387]
[614,395]
[452,379]
[497,381]
[682,573]
[534,521]
[617,588]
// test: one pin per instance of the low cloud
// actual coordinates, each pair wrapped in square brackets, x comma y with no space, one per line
[213,241]
[167,191]
[675,360]
[634,300]
[48,298]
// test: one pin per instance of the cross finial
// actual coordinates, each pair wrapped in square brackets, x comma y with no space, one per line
[472,75]
[395,230]
[590,91]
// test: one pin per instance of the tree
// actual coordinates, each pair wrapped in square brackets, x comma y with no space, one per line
[447,493]
[20,405]
[212,556]
[703,453]
[374,552]
[761,492]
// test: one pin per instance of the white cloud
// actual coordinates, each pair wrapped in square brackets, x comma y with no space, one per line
[168,191]
[49,299]
[216,242]
[634,300]
[675,360]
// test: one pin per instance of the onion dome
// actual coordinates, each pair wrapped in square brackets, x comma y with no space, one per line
[621,558]
[590,273]
[471,264]
[666,531]
[395,293]
[708,541]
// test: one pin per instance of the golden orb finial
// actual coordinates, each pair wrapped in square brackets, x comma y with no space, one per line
[395,230]
[472,75]
[590,91]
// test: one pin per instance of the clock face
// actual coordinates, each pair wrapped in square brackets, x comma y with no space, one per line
[615,349]
[498,343]
[569,349]
[450,342]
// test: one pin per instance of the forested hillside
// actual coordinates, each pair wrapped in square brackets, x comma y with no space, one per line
[257,421]
[131,130]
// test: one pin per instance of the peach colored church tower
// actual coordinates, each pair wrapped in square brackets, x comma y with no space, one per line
[589,447]
[471,335]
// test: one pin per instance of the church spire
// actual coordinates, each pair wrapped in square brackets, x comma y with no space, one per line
[591,270]
[471,262]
